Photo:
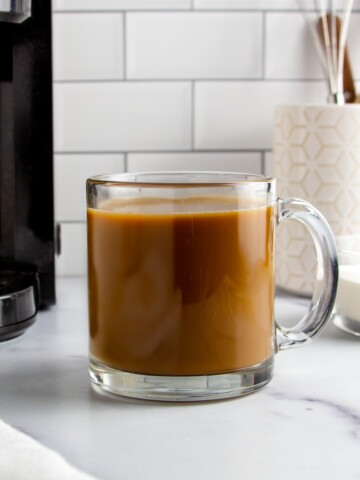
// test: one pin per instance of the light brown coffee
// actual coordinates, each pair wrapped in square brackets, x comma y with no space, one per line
[188,292]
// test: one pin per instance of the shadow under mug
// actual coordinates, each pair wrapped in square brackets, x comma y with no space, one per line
[181,283]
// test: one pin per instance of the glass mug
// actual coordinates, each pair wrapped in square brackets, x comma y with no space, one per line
[181,283]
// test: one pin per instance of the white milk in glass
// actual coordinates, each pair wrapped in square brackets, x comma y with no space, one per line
[348,293]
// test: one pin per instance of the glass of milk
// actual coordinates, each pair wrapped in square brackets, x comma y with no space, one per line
[347,306]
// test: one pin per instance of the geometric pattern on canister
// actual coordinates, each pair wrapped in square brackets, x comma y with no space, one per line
[316,151]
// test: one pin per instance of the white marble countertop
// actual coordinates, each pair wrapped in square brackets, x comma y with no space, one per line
[305,424]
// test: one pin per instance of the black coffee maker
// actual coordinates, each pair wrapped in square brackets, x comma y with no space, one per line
[27,237]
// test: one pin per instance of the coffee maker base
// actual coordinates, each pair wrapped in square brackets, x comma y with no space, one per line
[19,301]
[12,331]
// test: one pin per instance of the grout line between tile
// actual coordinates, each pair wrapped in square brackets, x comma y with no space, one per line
[263,162]
[71,222]
[125,10]
[191,9]
[263,60]
[183,80]
[159,152]
[124,46]
[192,126]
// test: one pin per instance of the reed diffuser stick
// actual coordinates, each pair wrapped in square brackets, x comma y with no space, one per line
[329,45]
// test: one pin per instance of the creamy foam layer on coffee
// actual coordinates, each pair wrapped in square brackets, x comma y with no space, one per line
[193,204]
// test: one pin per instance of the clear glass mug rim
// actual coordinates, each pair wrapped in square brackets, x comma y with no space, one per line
[181,179]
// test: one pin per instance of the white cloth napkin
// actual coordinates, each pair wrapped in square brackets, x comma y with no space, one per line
[22,458]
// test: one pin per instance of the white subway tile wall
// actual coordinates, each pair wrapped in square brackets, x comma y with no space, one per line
[73,258]
[294,62]
[145,85]
[88,46]
[194,45]
[192,161]
[122,116]
[71,172]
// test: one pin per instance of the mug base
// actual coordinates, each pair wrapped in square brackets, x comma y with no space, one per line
[180,388]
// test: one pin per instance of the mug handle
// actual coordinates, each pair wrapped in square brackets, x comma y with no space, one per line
[324,295]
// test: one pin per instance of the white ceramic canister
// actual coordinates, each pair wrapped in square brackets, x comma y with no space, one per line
[316,157]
